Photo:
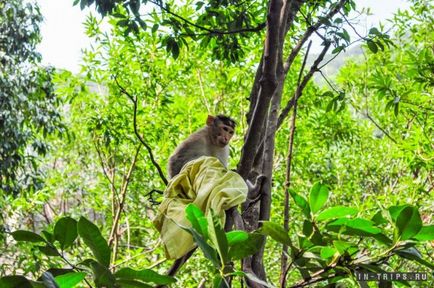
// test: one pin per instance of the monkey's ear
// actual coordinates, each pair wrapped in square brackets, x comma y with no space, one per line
[210,120]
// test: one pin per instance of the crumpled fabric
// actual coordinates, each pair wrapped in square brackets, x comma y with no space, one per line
[204,182]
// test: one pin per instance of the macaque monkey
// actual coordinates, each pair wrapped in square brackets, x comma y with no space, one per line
[211,140]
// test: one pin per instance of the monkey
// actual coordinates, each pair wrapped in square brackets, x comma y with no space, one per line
[211,140]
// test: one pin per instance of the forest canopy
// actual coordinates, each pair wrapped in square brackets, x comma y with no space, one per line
[343,156]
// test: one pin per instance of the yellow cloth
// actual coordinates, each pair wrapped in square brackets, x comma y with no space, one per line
[204,182]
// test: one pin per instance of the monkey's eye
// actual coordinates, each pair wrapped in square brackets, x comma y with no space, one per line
[232,132]
[226,129]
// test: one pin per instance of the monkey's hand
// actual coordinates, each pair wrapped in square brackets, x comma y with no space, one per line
[254,190]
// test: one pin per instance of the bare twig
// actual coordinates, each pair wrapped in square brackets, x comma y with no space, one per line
[148,148]
[120,208]
[284,257]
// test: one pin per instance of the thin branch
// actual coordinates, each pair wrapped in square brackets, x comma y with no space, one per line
[123,192]
[284,257]
[379,127]
[148,148]
[210,31]
[300,88]
[310,30]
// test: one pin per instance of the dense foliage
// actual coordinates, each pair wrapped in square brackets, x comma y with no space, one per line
[361,178]
[28,105]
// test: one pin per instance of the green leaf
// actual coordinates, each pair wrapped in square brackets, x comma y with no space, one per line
[301,202]
[197,219]
[336,212]
[207,250]
[372,46]
[378,218]
[101,274]
[327,252]
[276,232]
[374,31]
[145,275]
[414,254]
[236,236]
[356,226]
[49,250]
[217,235]
[395,210]
[48,236]
[23,235]
[92,237]
[65,231]
[132,284]
[70,280]
[175,49]
[15,281]
[248,247]
[318,196]
[426,233]
[307,228]
[342,246]
[408,222]
[338,49]
[217,281]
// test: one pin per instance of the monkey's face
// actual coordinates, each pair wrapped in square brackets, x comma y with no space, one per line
[224,134]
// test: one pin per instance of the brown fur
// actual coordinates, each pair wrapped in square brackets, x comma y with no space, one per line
[211,140]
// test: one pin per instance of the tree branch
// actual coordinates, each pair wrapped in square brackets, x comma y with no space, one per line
[123,192]
[258,28]
[268,84]
[148,148]
[284,258]
[308,33]
[300,88]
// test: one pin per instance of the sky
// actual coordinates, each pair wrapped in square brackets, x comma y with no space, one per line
[63,33]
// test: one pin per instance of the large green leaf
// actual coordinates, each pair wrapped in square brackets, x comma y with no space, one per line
[327,252]
[102,275]
[207,250]
[336,212]
[318,197]
[356,226]
[426,233]
[145,275]
[49,250]
[65,231]
[15,281]
[23,235]
[408,222]
[395,210]
[245,248]
[92,237]
[378,218]
[70,280]
[414,254]
[301,202]
[276,232]
[236,236]
[217,235]
[197,219]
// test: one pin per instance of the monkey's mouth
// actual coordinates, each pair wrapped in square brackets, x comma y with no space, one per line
[223,143]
